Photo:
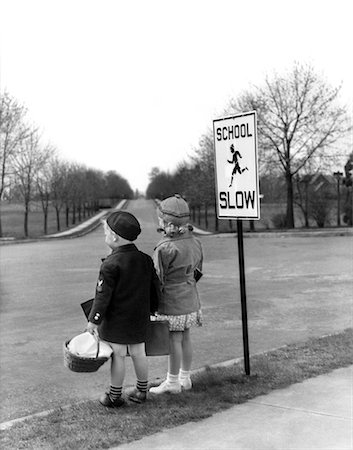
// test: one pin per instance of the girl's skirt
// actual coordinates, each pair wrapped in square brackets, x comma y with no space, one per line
[182,322]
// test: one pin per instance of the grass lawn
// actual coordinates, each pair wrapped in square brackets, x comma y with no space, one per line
[267,213]
[12,219]
[88,425]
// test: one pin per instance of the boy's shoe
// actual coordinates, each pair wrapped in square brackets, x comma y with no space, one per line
[137,396]
[186,383]
[166,386]
[105,400]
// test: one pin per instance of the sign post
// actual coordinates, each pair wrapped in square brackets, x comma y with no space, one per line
[237,188]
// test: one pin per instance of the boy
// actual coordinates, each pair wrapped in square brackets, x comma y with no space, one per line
[127,292]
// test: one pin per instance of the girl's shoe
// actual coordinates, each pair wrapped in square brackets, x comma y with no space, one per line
[105,400]
[166,386]
[186,383]
[138,396]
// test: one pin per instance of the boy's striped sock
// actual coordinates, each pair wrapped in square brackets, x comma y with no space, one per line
[142,385]
[115,392]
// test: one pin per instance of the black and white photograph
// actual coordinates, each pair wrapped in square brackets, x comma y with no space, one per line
[176,230]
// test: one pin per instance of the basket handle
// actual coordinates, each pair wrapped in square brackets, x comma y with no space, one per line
[97,340]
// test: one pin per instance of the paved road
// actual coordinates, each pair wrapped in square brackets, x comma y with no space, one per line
[297,287]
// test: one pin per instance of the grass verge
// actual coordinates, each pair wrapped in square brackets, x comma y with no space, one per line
[91,426]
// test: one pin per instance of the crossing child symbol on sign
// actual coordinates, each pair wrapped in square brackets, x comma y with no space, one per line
[235,161]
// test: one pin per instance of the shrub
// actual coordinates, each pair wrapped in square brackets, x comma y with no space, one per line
[279,220]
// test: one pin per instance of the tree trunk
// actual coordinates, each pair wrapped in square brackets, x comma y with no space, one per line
[252,225]
[199,214]
[57,211]
[67,216]
[0,222]
[306,214]
[46,221]
[290,198]
[206,216]
[73,214]
[26,219]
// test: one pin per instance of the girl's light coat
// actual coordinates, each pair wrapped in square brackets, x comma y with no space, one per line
[175,259]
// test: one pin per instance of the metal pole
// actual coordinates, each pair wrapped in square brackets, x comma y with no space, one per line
[244,314]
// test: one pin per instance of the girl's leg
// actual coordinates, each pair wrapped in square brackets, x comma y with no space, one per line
[186,360]
[139,359]
[172,384]
[176,352]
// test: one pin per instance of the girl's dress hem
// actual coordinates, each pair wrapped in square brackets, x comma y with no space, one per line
[182,322]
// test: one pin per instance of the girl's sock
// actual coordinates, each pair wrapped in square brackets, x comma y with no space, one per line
[115,392]
[173,379]
[184,374]
[142,385]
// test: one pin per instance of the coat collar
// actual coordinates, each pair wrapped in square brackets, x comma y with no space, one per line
[122,249]
[180,237]
[125,248]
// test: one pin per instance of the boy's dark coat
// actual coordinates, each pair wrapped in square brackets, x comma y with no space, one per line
[127,292]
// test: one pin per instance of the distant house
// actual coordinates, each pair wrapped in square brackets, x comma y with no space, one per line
[320,183]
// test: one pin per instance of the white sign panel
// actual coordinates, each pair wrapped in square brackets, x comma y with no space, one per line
[236,166]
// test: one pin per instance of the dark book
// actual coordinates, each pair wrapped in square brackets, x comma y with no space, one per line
[87,306]
[197,274]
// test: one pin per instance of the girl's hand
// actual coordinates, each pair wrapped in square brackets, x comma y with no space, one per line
[92,328]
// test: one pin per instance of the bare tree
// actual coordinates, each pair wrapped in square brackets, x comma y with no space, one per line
[58,187]
[12,131]
[204,159]
[298,117]
[43,181]
[26,164]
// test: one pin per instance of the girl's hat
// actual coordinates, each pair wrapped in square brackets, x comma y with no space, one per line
[124,224]
[174,210]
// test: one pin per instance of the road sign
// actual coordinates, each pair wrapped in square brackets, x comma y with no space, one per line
[236,167]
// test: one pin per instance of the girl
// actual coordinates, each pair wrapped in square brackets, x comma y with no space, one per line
[176,258]
[127,292]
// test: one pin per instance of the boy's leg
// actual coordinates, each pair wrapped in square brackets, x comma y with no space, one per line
[172,384]
[117,369]
[117,375]
[139,359]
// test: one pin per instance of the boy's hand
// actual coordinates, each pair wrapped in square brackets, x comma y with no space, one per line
[92,328]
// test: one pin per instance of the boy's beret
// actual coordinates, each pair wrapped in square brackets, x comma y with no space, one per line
[124,224]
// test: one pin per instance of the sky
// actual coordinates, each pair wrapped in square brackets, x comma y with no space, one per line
[131,85]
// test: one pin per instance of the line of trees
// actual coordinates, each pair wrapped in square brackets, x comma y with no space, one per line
[31,170]
[301,131]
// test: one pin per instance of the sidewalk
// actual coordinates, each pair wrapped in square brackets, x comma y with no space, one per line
[316,414]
